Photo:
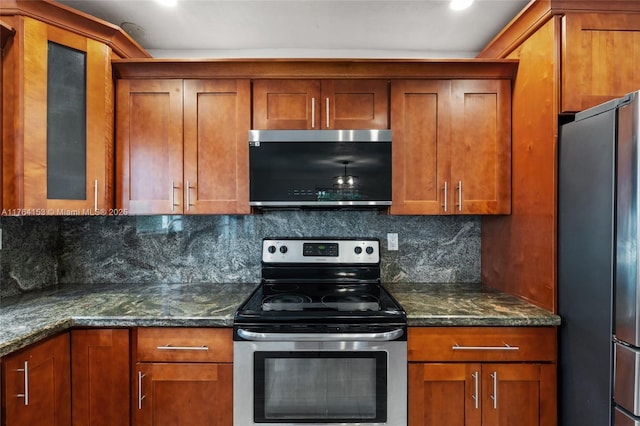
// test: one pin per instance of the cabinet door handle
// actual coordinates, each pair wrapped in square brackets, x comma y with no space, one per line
[494,396]
[173,196]
[140,395]
[459,195]
[313,113]
[168,347]
[475,390]
[445,196]
[506,347]
[25,395]
[188,195]
[95,195]
[327,111]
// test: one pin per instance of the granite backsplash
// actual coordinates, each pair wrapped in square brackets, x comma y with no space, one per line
[42,251]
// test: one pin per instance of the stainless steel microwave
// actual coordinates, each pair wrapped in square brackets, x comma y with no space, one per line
[319,168]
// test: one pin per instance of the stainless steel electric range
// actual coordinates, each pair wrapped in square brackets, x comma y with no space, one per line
[320,341]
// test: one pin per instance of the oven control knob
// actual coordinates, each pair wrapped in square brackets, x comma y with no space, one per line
[283,249]
[358,250]
[369,250]
[271,249]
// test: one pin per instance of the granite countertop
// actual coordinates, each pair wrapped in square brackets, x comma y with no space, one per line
[30,317]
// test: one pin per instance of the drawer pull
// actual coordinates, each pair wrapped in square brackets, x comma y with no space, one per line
[183,348]
[506,347]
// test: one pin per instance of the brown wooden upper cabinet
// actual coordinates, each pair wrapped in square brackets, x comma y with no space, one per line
[57,109]
[591,45]
[451,146]
[182,146]
[320,104]
[592,69]
[572,55]
[57,133]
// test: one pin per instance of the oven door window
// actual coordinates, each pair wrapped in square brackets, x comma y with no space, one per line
[327,387]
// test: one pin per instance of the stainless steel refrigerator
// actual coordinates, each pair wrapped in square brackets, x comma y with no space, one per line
[599,265]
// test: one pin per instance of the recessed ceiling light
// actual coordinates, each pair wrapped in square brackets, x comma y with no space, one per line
[168,2]
[460,4]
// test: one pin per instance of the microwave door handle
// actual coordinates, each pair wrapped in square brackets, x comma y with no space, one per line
[321,337]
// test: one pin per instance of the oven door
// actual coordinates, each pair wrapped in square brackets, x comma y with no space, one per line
[320,382]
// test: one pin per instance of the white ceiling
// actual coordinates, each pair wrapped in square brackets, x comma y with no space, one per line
[306,28]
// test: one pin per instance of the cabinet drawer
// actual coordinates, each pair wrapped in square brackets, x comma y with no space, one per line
[184,344]
[498,344]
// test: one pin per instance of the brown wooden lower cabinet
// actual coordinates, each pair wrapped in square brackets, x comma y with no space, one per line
[184,393]
[100,377]
[183,376]
[37,386]
[467,394]
[482,376]
[458,376]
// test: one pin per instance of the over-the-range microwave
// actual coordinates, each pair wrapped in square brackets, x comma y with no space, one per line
[319,168]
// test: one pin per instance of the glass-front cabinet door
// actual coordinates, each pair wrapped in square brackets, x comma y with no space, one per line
[57,158]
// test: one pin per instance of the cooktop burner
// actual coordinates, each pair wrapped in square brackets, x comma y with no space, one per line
[285,302]
[364,302]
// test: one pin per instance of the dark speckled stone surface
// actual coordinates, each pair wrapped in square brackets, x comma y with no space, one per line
[38,252]
[466,305]
[32,316]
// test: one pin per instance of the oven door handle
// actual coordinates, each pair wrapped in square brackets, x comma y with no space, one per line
[322,337]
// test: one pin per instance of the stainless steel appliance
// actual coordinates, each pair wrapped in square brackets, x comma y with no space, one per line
[598,265]
[320,341]
[319,168]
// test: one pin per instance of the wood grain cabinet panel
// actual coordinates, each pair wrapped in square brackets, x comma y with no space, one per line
[482,376]
[216,152]
[444,394]
[149,162]
[599,58]
[355,104]
[421,125]
[320,104]
[182,146]
[451,146]
[504,344]
[37,384]
[189,344]
[183,376]
[184,393]
[480,147]
[522,394]
[572,55]
[56,160]
[100,377]
[518,251]
[286,104]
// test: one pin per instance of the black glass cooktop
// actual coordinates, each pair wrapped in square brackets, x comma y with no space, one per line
[320,302]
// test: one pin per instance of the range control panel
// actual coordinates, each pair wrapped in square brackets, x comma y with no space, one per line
[318,250]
